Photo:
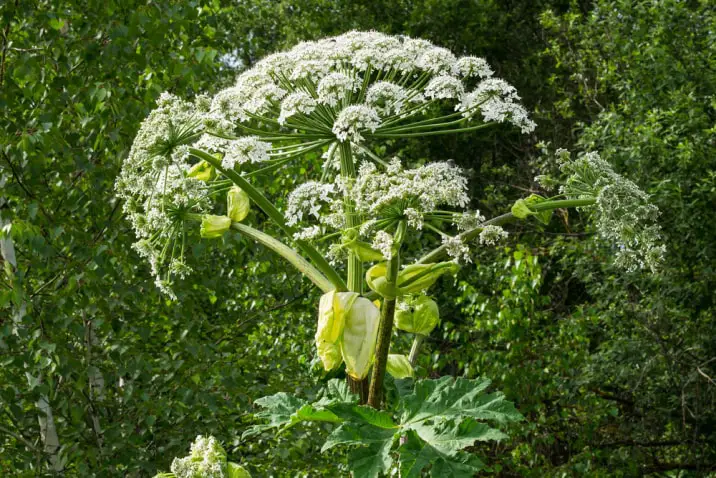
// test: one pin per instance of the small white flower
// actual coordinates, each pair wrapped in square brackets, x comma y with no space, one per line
[387,98]
[335,87]
[308,233]
[438,61]
[307,200]
[249,149]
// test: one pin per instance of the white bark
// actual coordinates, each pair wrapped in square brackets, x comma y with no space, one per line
[96,380]
[48,430]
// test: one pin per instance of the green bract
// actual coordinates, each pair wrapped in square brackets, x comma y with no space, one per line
[214,226]
[359,336]
[361,249]
[399,366]
[412,279]
[331,319]
[523,208]
[417,314]
[202,171]
[237,204]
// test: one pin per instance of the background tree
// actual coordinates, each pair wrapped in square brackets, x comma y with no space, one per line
[613,374]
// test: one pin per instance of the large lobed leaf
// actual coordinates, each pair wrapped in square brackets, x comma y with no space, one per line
[437,420]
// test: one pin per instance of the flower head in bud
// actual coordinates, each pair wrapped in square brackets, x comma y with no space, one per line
[214,226]
[359,337]
[417,314]
[237,204]
[202,171]
[398,366]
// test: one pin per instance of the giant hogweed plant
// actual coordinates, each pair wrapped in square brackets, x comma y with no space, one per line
[196,168]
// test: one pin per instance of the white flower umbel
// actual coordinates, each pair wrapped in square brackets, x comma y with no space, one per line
[337,83]
[623,215]
[308,199]
[491,235]
[358,88]
[457,249]
[207,460]
[353,120]
[335,87]
[422,189]
[472,66]
[497,101]
[159,196]
[383,242]
[249,149]
[298,102]
[387,98]
[445,87]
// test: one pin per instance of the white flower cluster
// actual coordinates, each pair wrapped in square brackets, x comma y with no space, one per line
[348,88]
[491,235]
[307,200]
[298,102]
[497,100]
[376,196]
[624,216]
[457,249]
[355,82]
[207,460]
[158,195]
[421,189]
[354,119]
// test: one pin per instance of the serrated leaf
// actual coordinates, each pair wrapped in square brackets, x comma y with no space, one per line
[365,414]
[358,434]
[446,398]
[416,455]
[370,461]
[463,465]
[284,411]
[338,390]
[450,436]
[278,410]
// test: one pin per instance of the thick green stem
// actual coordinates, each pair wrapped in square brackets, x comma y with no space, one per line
[355,266]
[439,252]
[385,330]
[270,210]
[287,253]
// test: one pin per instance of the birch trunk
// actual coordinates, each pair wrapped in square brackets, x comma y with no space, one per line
[48,430]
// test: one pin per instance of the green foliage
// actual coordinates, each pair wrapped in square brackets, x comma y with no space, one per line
[428,427]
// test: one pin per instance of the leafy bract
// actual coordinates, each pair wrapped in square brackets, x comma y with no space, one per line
[360,333]
[413,279]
